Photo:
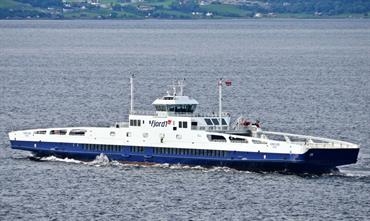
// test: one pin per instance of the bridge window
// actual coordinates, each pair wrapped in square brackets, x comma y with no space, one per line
[171,108]
[178,108]
[215,121]
[160,107]
[208,121]
[183,109]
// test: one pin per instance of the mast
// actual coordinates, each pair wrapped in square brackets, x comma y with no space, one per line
[174,87]
[220,101]
[132,93]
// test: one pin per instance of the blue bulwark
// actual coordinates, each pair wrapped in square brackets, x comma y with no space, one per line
[233,159]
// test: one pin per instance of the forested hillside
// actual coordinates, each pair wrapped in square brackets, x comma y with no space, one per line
[181,9]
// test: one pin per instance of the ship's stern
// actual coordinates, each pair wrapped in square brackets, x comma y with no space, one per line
[12,138]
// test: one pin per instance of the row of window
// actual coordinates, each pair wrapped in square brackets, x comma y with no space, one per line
[137,149]
[190,152]
[58,132]
[40,132]
[73,132]
[77,132]
[238,140]
[183,124]
[178,108]
[136,123]
[102,147]
[159,151]
[216,138]
[214,121]
[219,138]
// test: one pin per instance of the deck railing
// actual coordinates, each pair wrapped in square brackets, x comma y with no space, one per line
[211,128]
[181,114]
[310,141]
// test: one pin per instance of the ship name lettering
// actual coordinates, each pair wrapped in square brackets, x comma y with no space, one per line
[155,123]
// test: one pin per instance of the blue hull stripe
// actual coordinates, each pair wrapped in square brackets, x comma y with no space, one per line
[314,160]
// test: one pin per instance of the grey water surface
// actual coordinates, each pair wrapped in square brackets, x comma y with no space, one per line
[299,76]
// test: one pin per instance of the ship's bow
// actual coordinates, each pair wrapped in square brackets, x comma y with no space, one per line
[332,157]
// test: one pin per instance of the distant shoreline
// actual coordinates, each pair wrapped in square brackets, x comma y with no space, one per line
[188,19]
[181,9]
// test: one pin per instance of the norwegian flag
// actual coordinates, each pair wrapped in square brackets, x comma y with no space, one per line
[227,82]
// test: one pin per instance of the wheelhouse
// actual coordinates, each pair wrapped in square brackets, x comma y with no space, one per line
[175,104]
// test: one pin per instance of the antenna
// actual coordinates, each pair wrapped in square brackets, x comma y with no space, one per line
[174,88]
[181,84]
[132,93]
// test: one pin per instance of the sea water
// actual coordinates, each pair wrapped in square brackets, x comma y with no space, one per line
[307,77]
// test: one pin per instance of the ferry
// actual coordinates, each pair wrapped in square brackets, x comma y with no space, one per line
[176,134]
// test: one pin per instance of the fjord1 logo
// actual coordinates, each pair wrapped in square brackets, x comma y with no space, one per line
[155,123]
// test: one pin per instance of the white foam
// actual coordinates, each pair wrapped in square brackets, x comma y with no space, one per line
[100,160]
[66,160]
[103,160]
[352,173]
